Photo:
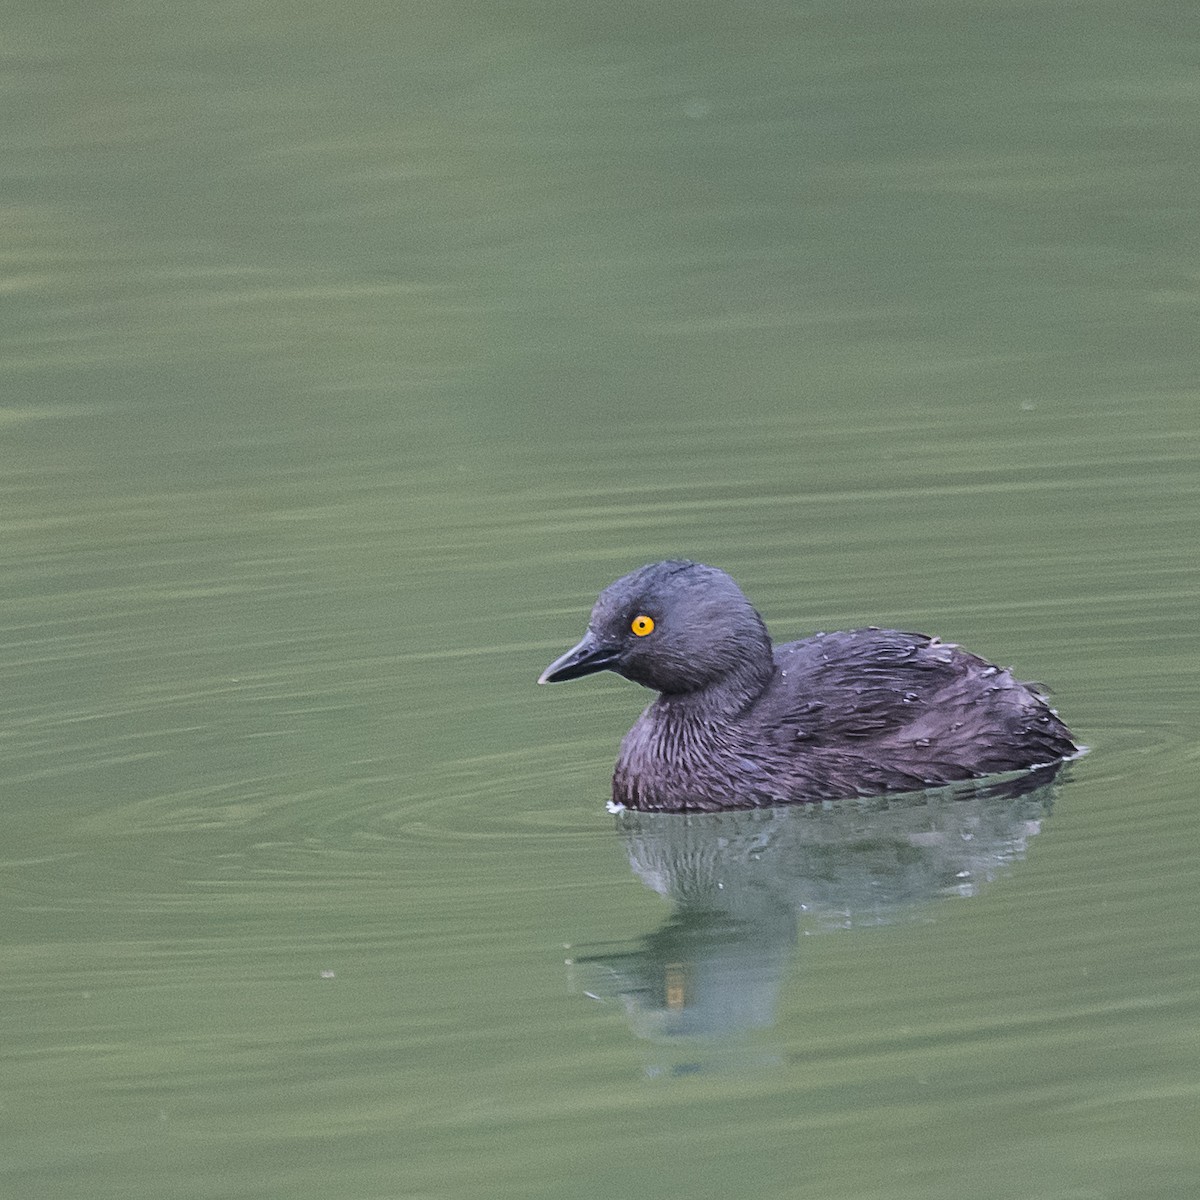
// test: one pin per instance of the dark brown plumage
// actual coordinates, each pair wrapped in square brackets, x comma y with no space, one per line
[739,724]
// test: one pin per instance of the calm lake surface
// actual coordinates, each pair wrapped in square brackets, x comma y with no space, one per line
[347,352]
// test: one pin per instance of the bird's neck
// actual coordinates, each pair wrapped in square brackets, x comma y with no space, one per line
[723,699]
[685,749]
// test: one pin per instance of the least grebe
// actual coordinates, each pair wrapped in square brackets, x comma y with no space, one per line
[739,723]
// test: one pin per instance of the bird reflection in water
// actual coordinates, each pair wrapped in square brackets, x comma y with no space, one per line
[746,884]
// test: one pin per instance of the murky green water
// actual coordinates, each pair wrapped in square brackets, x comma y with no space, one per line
[347,352]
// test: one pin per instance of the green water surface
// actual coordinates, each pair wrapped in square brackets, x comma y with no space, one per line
[346,352]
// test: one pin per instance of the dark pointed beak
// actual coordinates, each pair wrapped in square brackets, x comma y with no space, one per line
[590,656]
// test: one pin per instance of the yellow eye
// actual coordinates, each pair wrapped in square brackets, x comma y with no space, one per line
[642,625]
